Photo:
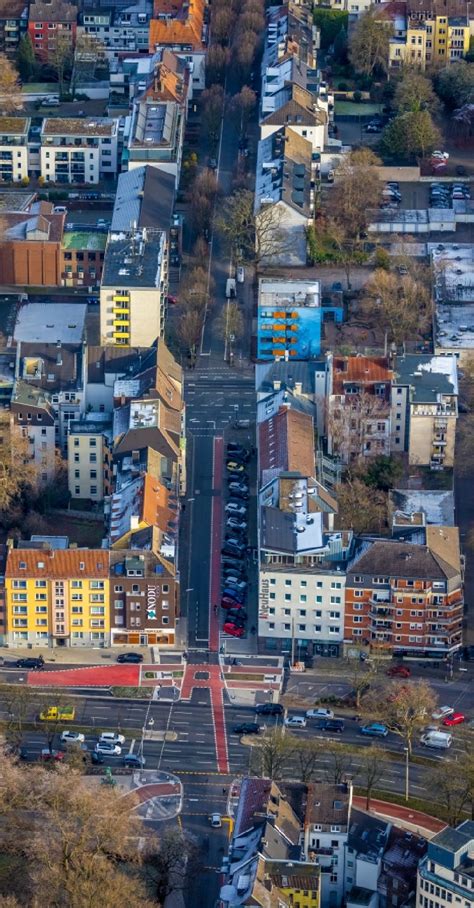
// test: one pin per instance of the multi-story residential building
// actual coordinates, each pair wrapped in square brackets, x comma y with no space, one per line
[90,458]
[156,136]
[407,598]
[446,873]
[13,24]
[144,598]
[78,150]
[427,32]
[134,288]
[291,318]
[48,20]
[145,198]
[33,416]
[14,149]
[183,29]
[3,604]
[397,880]
[118,30]
[424,409]
[57,597]
[285,179]
[366,843]
[358,406]
[30,246]
[82,258]
[298,109]
[326,826]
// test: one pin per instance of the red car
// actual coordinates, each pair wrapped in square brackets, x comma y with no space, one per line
[398,671]
[233,629]
[56,755]
[227,602]
[454,719]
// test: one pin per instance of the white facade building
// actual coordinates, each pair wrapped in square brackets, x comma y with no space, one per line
[78,150]
[446,874]
[14,148]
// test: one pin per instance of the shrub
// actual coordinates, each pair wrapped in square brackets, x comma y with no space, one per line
[342,86]
[357,96]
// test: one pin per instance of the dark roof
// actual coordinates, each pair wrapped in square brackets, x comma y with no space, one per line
[360,896]
[401,559]
[145,195]
[114,360]
[454,839]
[426,376]
[367,834]
[297,109]
[61,366]
[327,804]
[138,439]
[289,374]
[253,798]
[56,11]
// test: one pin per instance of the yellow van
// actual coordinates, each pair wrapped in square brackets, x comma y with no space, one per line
[60,713]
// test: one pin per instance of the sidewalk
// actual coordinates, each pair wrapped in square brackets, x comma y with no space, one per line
[413,820]
[68,655]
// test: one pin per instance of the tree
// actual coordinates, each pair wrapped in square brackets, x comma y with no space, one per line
[18,474]
[369,44]
[10,92]
[259,237]
[89,49]
[358,509]
[169,866]
[383,472]
[189,330]
[274,750]
[201,200]
[19,701]
[330,23]
[371,770]
[339,762]
[71,842]
[455,84]
[341,47]
[217,61]
[222,24]
[194,289]
[243,104]
[414,92]
[403,708]
[212,100]
[402,306]
[410,134]
[361,675]
[26,58]
[60,56]
[230,323]
[308,754]
[452,790]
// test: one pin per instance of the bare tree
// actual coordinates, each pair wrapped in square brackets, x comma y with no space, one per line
[189,330]
[170,865]
[401,305]
[403,708]
[369,44]
[307,755]
[370,772]
[19,701]
[274,751]
[339,763]
[10,91]
[230,322]
[361,676]
[360,508]
[17,470]
[60,56]
[254,236]
[212,100]
[452,790]
[243,104]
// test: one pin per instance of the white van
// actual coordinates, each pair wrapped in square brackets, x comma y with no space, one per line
[230,288]
[440,739]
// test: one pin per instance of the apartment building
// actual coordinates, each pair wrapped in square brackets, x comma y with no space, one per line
[13,24]
[118,30]
[182,28]
[428,32]
[407,598]
[156,136]
[326,825]
[397,880]
[358,406]
[446,873]
[57,597]
[82,258]
[89,458]
[144,598]
[78,150]
[424,409]
[299,110]
[33,417]
[291,317]
[14,149]
[134,288]
[46,21]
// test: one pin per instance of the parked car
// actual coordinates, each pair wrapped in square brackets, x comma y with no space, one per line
[240,273]
[398,671]
[72,737]
[48,755]
[246,728]
[237,614]
[215,820]
[234,508]
[269,709]
[235,524]
[374,730]
[454,719]
[233,630]
[130,657]
[319,713]
[442,712]
[295,721]
[233,549]
[236,446]
[239,497]
[228,561]
[104,747]
[134,760]
[230,602]
[97,758]
[111,737]
[233,466]
[235,486]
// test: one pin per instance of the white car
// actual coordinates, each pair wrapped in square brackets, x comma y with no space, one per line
[111,737]
[319,713]
[215,820]
[295,722]
[103,747]
[442,712]
[240,274]
[72,737]
[443,155]
[232,508]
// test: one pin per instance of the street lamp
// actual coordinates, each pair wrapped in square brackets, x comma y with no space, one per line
[407,773]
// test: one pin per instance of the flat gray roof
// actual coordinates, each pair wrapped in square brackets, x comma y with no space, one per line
[50,322]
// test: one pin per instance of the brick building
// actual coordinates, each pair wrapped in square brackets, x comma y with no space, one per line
[30,249]
[144,598]
[407,598]
[46,21]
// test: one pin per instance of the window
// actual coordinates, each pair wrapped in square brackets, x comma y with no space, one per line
[335,600]
[118,603]
[287,582]
[287,597]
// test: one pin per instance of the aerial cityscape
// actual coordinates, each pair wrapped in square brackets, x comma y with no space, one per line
[236,454]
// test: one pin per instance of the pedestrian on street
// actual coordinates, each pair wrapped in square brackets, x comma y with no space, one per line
[215,609]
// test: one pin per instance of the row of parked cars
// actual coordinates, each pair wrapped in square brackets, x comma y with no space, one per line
[234,550]
[109,743]
[391,195]
[443,194]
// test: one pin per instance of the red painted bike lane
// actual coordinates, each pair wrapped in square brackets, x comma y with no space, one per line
[216,543]
[210,678]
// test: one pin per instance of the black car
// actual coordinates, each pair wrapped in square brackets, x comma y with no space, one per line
[242,496]
[130,657]
[236,615]
[246,728]
[239,456]
[233,447]
[269,709]
[228,561]
[35,663]
[97,758]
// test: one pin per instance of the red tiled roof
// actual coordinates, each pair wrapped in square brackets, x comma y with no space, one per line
[287,442]
[57,563]
[184,29]
[366,370]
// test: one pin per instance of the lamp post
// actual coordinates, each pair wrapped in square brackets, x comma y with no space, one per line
[407,773]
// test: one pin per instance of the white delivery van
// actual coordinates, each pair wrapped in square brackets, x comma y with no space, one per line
[440,739]
[230,288]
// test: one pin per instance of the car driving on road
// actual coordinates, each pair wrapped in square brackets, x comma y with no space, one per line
[374,730]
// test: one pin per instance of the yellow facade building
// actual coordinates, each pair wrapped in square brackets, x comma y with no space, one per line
[57,597]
